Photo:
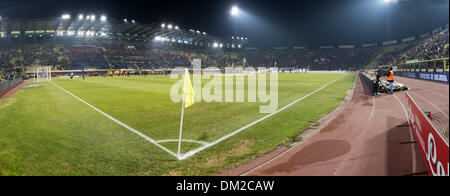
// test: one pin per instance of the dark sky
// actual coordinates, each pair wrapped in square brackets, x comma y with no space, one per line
[272,22]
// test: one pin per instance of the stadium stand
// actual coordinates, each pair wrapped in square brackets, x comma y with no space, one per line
[119,45]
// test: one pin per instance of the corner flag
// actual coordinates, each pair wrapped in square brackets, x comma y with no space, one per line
[188,91]
[188,100]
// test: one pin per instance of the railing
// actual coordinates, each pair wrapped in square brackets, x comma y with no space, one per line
[7,84]
[430,66]
[434,70]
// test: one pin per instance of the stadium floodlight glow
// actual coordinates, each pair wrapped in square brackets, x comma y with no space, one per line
[390,1]
[204,33]
[216,45]
[80,17]
[65,16]
[239,46]
[125,20]
[103,18]
[176,27]
[170,26]
[133,21]
[221,45]
[198,32]
[92,17]
[234,11]
[163,25]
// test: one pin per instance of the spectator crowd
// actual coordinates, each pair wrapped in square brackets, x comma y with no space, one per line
[139,55]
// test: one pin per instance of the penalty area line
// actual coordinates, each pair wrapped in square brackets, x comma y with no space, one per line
[193,152]
[119,123]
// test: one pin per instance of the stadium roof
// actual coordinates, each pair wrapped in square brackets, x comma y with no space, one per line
[75,27]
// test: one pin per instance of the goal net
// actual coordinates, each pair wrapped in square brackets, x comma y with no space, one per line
[43,74]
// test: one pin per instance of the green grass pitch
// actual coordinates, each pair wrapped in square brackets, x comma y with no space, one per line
[45,131]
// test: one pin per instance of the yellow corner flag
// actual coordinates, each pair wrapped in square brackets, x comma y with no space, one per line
[188,91]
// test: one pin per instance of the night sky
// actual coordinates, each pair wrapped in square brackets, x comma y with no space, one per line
[264,22]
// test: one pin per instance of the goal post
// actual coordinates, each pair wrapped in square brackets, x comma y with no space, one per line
[43,74]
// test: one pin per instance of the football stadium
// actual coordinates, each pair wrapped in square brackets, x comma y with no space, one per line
[85,93]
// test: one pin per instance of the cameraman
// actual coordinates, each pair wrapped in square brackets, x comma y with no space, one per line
[390,79]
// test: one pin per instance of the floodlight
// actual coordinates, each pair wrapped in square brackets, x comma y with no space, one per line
[234,11]
[80,17]
[133,21]
[92,17]
[204,33]
[170,26]
[65,16]
[103,18]
[125,20]
[215,45]
[163,25]
[176,27]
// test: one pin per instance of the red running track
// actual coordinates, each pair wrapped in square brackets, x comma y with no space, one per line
[369,137]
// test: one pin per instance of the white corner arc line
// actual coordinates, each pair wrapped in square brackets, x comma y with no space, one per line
[188,141]
[193,152]
[120,123]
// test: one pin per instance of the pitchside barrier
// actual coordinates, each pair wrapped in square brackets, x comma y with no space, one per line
[367,82]
[438,77]
[433,146]
[5,85]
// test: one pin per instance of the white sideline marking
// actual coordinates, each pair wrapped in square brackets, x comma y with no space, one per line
[410,133]
[193,152]
[120,123]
